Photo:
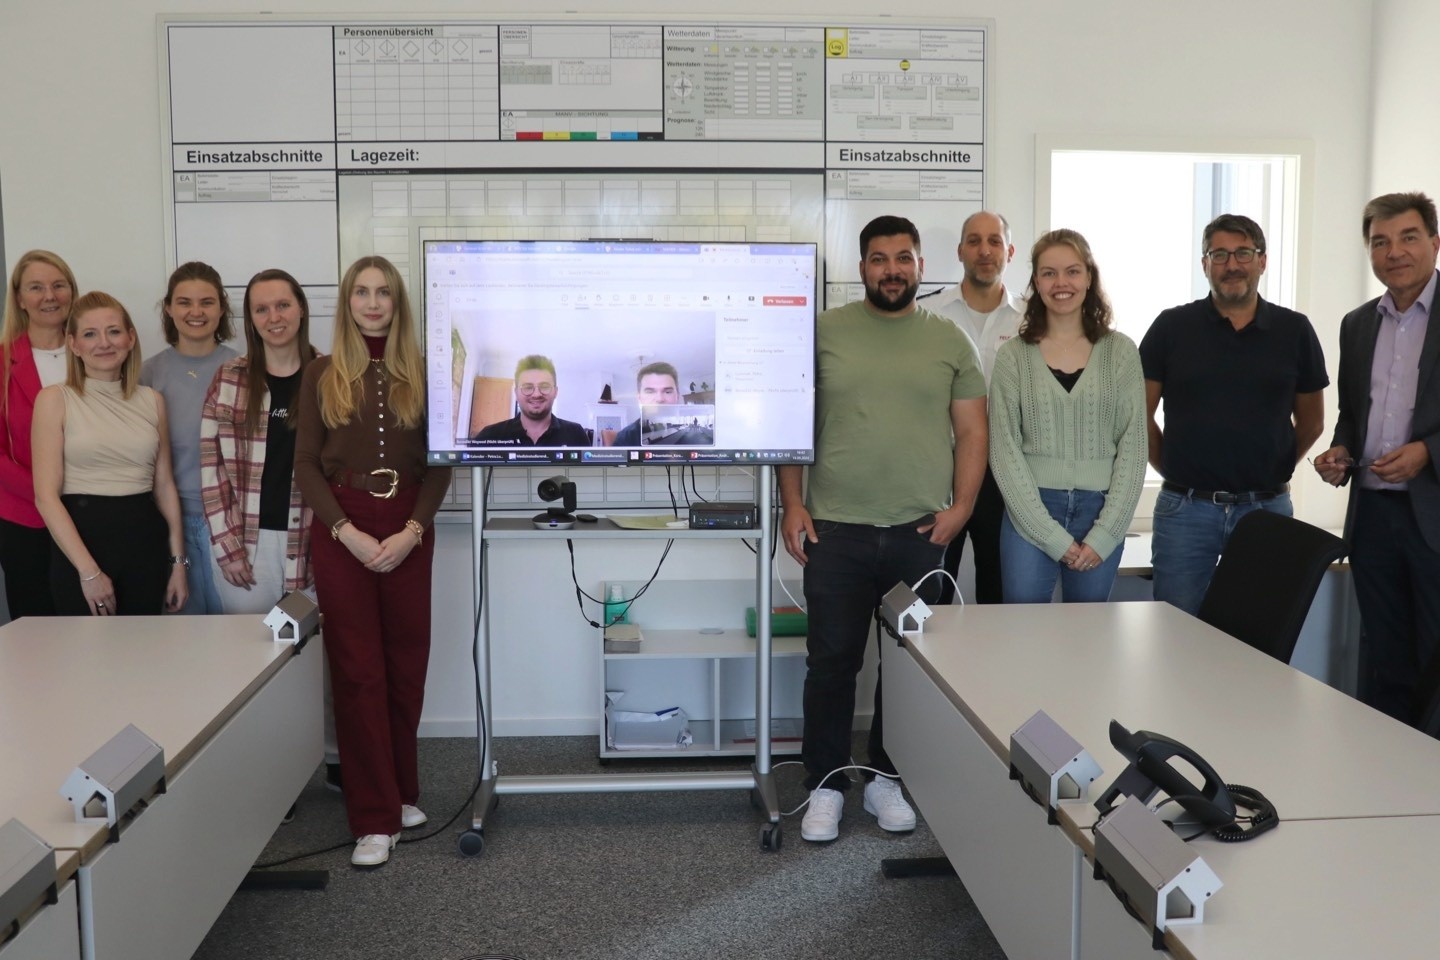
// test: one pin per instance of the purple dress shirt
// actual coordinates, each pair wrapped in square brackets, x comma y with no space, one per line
[1394,376]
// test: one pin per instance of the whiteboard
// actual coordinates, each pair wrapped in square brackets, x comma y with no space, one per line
[305,143]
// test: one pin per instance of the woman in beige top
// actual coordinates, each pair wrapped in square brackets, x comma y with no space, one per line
[103,482]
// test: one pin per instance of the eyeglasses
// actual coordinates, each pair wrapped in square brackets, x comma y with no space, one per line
[1243,255]
[530,389]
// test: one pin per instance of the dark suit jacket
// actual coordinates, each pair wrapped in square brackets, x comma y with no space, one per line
[1357,355]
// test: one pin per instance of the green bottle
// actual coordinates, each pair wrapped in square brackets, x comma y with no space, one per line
[616,607]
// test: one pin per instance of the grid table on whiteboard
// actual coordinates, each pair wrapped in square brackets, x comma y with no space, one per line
[444,87]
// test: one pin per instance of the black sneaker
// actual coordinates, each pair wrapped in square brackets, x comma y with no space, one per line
[332,777]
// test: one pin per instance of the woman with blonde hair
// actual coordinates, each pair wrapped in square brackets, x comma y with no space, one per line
[1067,432]
[103,482]
[360,462]
[32,354]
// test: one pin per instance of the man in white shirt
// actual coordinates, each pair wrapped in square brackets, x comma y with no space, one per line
[989,314]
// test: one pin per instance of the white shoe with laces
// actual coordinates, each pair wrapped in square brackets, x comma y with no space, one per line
[411,816]
[373,849]
[884,799]
[822,816]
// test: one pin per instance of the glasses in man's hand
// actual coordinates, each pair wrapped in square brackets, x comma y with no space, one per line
[1349,463]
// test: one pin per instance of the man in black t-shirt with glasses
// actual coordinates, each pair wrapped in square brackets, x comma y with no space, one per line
[1241,380]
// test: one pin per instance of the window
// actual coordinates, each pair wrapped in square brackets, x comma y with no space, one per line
[1142,206]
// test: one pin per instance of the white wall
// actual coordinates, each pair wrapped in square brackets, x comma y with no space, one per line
[81,162]
[1405,135]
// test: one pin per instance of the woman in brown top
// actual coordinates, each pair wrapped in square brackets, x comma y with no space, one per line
[360,464]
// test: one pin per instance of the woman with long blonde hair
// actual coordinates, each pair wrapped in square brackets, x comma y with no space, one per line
[360,462]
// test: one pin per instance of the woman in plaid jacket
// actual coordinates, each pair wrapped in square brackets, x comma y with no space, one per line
[259,526]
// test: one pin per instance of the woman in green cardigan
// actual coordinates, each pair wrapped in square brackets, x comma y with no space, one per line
[1067,432]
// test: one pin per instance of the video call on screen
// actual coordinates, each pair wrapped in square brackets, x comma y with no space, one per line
[662,352]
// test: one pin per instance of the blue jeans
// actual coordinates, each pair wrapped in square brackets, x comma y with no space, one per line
[1028,574]
[846,573]
[204,598]
[1189,537]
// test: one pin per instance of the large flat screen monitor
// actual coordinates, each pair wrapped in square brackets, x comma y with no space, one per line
[620,352]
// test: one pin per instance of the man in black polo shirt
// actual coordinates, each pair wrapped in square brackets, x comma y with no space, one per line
[535,425]
[1241,380]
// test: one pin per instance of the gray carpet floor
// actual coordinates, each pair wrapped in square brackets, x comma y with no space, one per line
[637,876]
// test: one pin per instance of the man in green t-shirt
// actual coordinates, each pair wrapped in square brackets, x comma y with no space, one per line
[901,447]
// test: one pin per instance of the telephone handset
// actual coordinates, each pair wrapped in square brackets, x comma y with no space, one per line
[1212,804]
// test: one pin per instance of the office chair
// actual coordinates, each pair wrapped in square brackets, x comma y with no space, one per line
[1266,580]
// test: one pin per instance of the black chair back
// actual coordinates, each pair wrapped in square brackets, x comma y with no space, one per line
[1266,580]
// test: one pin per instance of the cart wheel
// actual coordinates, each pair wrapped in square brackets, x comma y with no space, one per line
[771,837]
[472,843]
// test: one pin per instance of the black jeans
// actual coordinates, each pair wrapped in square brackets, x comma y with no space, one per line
[25,557]
[846,573]
[1397,585]
[983,529]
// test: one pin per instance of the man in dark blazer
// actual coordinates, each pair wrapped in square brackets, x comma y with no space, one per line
[1387,444]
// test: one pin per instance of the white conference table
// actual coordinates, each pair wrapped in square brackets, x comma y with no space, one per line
[955,694]
[1316,889]
[239,719]
[50,932]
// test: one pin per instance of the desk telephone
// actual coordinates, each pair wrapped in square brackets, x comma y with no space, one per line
[1211,806]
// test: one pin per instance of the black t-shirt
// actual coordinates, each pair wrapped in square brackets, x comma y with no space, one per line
[561,433]
[1228,395]
[1067,380]
[279,454]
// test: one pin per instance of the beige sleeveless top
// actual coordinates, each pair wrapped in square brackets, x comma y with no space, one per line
[110,442]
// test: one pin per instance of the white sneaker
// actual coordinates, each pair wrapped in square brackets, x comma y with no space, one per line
[373,849]
[822,816]
[884,799]
[411,816]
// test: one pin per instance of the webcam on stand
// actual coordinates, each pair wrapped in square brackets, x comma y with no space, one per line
[560,488]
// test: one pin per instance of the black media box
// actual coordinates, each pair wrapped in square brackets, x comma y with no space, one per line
[719,515]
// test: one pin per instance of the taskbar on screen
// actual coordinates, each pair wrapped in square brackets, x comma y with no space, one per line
[615,457]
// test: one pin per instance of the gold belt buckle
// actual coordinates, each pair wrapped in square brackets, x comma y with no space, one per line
[394,483]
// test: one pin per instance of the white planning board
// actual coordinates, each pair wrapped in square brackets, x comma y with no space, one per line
[306,143]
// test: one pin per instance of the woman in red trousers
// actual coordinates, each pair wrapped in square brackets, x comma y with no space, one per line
[360,464]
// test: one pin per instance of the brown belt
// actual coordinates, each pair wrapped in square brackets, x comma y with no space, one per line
[383,483]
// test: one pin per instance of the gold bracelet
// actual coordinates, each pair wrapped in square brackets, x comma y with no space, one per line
[335,527]
[414,527]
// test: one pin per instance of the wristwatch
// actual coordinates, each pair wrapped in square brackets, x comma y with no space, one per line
[182,561]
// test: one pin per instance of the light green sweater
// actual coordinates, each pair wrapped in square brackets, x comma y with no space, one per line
[1092,438]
